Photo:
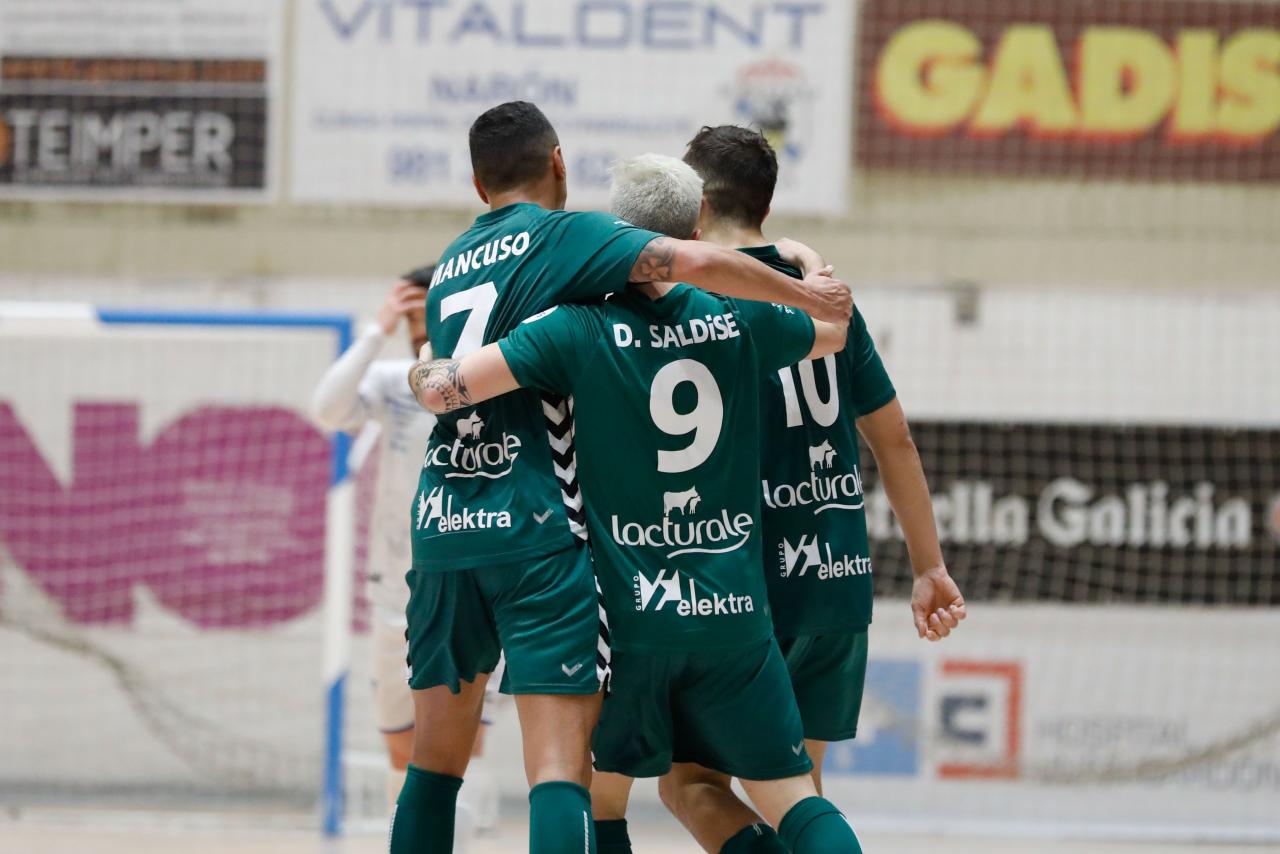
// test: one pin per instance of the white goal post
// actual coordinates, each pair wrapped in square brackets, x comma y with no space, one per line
[177,546]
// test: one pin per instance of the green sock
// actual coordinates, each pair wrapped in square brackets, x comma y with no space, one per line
[611,837]
[560,819]
[423,819]
[754,839]
[815,826]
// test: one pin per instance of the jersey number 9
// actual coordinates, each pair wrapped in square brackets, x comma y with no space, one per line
[703,421]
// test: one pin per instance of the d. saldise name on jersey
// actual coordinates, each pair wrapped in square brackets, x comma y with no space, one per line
[697,330]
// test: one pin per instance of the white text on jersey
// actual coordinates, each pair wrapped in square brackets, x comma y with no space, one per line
[486,255]
[698,330]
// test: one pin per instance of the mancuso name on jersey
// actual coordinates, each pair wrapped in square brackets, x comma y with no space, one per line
[491,491]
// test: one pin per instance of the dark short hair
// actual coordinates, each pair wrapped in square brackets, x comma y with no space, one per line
[510,145]
[421,276]
[739,172]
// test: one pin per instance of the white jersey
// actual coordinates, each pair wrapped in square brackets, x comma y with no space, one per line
[358,389]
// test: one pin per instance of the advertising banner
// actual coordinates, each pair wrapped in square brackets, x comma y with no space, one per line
[385,91]
[154,101]
[1148,721]
[1095,513]
[1176,90]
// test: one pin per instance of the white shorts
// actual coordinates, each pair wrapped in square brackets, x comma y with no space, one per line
[392,699]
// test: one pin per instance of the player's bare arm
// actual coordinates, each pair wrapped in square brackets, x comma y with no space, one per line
[828,338]
[656,262]
[733,274]
[937,606]
[447,385]
[797,254]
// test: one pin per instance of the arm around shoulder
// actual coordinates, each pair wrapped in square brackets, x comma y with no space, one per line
[446,385]
[828,338]
[734,274]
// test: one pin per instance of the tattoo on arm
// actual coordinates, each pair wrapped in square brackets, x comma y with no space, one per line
[443,376]
[656,261]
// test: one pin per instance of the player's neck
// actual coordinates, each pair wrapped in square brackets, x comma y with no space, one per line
[544,196]
[733,236]
[654,290]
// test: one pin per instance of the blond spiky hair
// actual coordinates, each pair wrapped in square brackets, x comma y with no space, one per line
[656,192]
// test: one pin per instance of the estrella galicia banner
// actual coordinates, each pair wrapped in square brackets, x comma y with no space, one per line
[385,90]
[1175,90]
[153,101]
[1094,513]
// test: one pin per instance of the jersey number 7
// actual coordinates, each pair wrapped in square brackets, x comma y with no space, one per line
[479,302]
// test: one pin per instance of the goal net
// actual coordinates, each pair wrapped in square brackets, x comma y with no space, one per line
[163,544]
[1105,480]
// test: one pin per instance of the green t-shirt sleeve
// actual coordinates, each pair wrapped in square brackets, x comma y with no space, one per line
[871,385]
[598,251]
[546,351]
[782,335]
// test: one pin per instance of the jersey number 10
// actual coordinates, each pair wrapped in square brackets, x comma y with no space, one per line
[823,411]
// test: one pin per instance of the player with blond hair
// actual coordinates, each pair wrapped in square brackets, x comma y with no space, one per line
[499,561]
[666,383]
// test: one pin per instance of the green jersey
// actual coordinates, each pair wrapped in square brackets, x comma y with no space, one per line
[666,402]
[817,559]
[498,483]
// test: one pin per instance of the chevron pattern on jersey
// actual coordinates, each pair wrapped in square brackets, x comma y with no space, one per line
[559,415]
[564,457]
[603,651]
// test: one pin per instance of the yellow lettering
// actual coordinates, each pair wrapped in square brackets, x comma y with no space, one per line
[1127,80]
[929,76]
[1194,115]
[1250,107]
[1028,85]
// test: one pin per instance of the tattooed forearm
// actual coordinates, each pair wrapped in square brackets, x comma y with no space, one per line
[439,385]
[656,261]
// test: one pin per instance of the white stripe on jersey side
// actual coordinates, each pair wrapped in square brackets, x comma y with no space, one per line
[604,659]
[561,432]
[560,435]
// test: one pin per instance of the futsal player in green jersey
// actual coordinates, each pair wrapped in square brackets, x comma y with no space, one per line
[816,556]
[666,382]
[499,560]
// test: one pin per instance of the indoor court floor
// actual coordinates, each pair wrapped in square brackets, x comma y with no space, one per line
[141,834]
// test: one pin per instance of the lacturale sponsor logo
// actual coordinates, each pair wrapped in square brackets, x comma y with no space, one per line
[808,554]
[681,532]
[823,490]
[686,602]
[435,511]
[471,456]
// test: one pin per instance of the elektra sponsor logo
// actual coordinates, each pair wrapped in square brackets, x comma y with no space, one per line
[691,605]
[808,554]
[471,456]
[686,534]
[822,491]
[435,511]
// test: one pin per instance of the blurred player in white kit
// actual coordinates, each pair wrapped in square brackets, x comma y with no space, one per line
[365,393]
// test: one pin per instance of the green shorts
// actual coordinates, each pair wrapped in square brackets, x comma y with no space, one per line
[543,613]
[730,710]
[827,673]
